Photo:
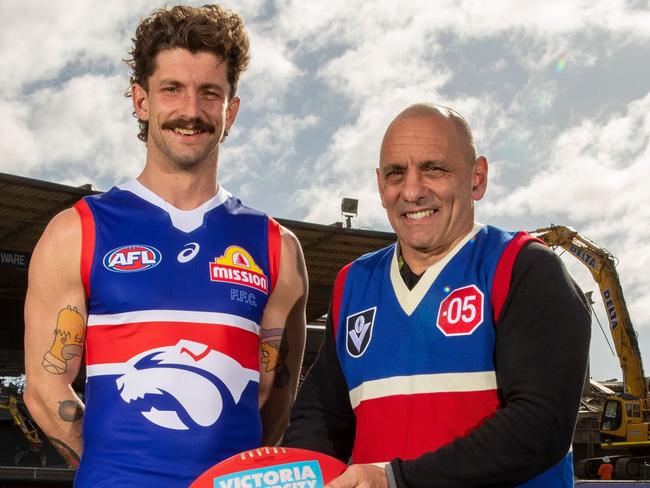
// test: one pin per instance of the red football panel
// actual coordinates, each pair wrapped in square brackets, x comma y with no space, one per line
[269,457]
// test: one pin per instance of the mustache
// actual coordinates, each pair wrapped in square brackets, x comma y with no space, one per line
[192,124]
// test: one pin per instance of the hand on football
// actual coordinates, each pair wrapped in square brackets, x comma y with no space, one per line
[361,475]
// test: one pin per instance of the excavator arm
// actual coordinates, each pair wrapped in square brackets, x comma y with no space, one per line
[602,266]
[625,421]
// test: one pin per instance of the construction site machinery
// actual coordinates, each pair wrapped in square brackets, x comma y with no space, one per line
[11,401]
[626,417]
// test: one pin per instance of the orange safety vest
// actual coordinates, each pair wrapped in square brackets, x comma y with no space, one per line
[605,471]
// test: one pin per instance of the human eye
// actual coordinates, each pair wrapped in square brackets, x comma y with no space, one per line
[432,168]
[170,89]
[211,94]
[393,174]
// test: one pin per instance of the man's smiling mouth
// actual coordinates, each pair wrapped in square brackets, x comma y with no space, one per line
[187,132]
[420,214]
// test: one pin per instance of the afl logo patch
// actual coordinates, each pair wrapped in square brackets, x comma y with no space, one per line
[135,257]
[359,331]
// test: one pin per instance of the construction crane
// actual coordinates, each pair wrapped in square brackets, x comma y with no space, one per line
[625,419]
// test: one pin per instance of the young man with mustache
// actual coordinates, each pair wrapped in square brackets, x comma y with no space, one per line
[189,306]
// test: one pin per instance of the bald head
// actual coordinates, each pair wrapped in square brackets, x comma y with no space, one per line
[427,110]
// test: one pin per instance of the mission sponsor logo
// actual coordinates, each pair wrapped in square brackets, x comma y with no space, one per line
[238,266]
[305,474]
[131,258]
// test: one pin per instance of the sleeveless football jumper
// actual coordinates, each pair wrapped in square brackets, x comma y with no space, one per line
[419,363]
[175,299]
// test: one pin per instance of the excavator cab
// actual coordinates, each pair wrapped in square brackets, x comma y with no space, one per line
[612,420]
[622,423]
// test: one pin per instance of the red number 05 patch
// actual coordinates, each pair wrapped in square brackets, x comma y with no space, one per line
[461,312]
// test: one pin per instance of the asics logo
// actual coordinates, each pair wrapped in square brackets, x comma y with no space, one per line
[188,253]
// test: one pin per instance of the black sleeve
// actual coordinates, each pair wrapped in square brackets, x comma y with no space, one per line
[542,347]
[322,418]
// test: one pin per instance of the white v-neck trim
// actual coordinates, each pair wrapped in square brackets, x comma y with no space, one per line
[410,299]
[185,220]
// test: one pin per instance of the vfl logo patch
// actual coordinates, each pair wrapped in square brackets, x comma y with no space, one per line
[131,258]
[184,372]
[359,331]
[238,266]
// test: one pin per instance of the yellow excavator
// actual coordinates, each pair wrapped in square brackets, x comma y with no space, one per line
[625,419]
[9,401]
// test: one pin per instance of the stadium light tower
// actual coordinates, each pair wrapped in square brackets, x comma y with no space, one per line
[349,207]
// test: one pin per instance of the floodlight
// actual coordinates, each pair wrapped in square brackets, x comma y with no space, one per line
[349,207]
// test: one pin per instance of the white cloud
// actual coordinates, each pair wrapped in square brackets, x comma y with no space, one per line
[271,73]
[594,180]
[42,39]
[17,144]
[535,98]
[315,24]
[262,151]
[82,128]
[592,171]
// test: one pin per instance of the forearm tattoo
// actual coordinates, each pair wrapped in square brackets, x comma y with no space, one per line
[67,453]
[69,410]
[274,349]
[68,341]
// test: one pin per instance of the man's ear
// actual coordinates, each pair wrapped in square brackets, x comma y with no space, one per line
[140,99]
[479,178]
[380,187]
[231,112]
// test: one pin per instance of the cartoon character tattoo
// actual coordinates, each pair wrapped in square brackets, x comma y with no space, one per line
[274,349]
[68,341]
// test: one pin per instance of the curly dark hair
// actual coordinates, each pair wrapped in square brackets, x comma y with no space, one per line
[210,28]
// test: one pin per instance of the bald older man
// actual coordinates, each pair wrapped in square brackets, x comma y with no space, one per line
[456,356]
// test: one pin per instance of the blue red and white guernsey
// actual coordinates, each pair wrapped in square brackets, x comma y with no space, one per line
[419,364]
[175,299]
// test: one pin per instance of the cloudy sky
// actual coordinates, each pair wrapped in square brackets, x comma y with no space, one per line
[558,94]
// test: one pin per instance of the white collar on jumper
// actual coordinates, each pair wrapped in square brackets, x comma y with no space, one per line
[410,299]
[185,220]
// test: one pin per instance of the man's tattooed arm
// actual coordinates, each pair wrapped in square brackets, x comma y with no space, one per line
[67,345]
[274,350]
[55,319]
[282,339]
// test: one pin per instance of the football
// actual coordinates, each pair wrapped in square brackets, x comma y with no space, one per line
[277,467]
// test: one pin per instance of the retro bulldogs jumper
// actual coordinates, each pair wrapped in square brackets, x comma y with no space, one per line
[428,351]
[175,299]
